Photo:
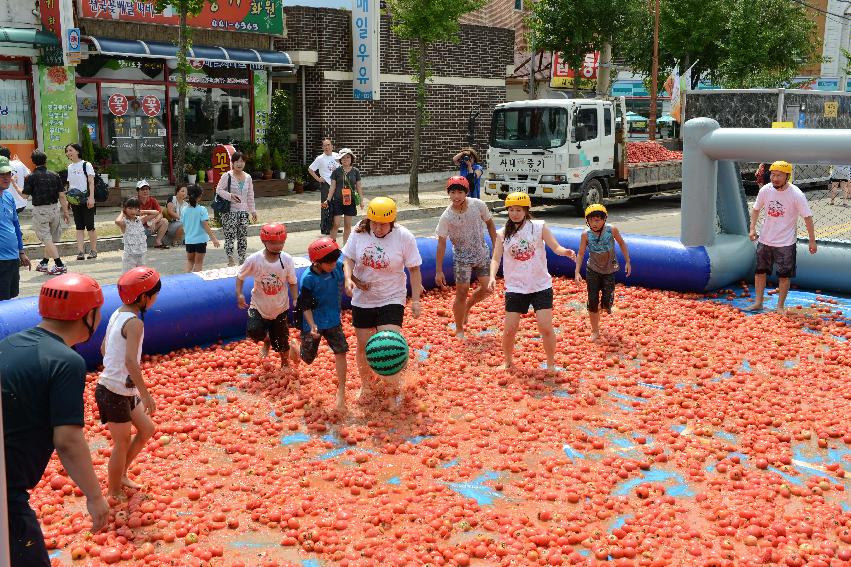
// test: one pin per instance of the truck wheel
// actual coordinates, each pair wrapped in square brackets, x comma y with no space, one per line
[592,194]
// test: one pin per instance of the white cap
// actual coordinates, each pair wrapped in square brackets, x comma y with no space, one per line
[142,183]
[345,151]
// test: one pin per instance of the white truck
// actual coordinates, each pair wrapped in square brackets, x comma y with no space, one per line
[570,151]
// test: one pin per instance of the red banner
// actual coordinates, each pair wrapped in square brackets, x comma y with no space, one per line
[50,17]
[221,161]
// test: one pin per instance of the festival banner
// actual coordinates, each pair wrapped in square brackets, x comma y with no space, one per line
[562,74]
[58,113]
[257,16]
[261,107]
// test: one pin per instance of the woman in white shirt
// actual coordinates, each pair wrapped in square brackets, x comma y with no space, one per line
[81,176]
[520,246]
[375,259]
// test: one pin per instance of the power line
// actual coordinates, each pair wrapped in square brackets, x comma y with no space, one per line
[839,17]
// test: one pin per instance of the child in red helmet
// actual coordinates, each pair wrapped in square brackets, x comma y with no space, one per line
[320,295]
[274,283]
[121,395]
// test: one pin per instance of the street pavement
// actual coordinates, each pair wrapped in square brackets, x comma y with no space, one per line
[659,217]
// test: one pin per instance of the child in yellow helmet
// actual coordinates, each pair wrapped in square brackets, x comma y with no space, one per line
[520,247]
[600,240]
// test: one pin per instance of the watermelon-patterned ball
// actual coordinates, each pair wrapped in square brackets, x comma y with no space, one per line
[387,352]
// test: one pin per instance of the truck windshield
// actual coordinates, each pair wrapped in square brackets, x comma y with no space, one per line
[542,127]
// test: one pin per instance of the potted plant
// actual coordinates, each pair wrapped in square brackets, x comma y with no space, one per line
[298,179]
[278,164]
[266,163]
[113,176]
[103,158]
[191,174]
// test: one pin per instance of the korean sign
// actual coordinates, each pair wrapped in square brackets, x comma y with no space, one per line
[58,112]
[530,164]
[366,61]
[221,161]
[51,20]
[260,16]
[261,107]
[562,75]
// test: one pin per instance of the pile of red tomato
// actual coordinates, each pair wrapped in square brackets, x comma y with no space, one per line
[644,152]
[692,434]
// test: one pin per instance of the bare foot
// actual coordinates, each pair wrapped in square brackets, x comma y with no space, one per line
[460,335]
[595,337]
[780,308]
[295,359]
[118,496]
[506,367]
[754,307]
[125,480]
[264,350]
[341,404]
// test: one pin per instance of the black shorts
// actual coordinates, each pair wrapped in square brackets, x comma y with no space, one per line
[84,217]
[114,408]
[10,279]
[335,337]
[374,317]
[276,329]
[26,540]
[520,302]
[601,289]
[339,209]
[196,248]
[784,258]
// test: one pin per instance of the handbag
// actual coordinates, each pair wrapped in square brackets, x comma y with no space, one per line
[219,205]
[325,221]
[101,190]
[75,196]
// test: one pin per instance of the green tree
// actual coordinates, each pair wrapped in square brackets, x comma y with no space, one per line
[577,27]
[185,8]
[735,43]
[423,23]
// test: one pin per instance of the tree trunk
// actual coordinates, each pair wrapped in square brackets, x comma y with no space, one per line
[604,72]
[419,118]
[180,156]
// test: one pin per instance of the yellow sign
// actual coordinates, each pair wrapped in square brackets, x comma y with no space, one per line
[831,109]
[567,83]
[782,124]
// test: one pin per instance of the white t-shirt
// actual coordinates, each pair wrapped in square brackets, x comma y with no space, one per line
[76,178]
[524,259]
[19,173]
[466,231]
[326,165]
[782,211]
[381,263]
[115,377]
[270,296]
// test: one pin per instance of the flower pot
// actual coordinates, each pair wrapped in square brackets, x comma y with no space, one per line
[111,182]
[156,170]
[210,174]
[298,187]
[267,174]
[201,175]
[282,175]
[105,177]
[191,177]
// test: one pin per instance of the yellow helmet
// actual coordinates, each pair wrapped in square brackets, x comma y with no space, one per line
[381,209]
[596,208]
[781,166]
[518,200]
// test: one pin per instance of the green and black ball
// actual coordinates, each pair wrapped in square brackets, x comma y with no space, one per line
[387,352]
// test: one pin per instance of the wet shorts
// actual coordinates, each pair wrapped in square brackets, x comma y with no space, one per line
[374,317]
[276,329]
[114,408]
[196,248]
[601,290]
[335,337]
[520,302]
[784,258]
[464,271]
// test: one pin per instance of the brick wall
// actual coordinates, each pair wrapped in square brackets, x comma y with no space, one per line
[501,14]
[131,30]
[380,132]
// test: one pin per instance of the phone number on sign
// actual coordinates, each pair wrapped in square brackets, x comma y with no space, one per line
[239,26]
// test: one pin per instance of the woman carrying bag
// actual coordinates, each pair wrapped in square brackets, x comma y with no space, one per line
[345,194]
[236,188]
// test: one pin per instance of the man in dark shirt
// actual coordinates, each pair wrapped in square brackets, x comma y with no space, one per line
[47,192]
[42,382]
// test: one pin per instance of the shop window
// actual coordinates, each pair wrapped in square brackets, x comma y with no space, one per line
[16,119]
[87,109]
[135,129]
[214,115]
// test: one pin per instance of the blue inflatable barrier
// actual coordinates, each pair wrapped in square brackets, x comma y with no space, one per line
[200,309]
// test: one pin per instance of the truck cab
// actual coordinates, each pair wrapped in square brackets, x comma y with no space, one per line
[555,150]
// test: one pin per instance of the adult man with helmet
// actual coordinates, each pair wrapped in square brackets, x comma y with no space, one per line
[273,271]
[43,381]
[778,238]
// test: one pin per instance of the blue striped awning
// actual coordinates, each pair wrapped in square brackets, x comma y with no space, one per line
[162,50]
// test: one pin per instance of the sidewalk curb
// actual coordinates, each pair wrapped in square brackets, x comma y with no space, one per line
[115,243]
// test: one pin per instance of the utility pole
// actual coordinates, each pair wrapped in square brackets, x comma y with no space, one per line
[654,80]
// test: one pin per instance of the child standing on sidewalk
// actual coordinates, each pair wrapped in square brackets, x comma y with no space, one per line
[600,240]
[520,246]
[129,220]
[273,271]
[121,395]
[320,294]
[196,230]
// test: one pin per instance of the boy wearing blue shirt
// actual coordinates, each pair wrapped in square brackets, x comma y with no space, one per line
[320,293]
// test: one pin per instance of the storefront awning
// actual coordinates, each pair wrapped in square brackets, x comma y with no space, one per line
[160,50]
[28,36]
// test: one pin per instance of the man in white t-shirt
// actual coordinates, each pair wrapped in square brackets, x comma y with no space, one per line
[19,173]
[778,239]
[325,164]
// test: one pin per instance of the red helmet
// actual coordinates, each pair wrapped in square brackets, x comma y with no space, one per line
[69,297]
[273,232]
[320,248]
[136,282]
[458,180]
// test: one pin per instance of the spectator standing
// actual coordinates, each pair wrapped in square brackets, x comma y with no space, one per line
[81,176]
[154,223]
[325,164]
[172,212]
[135,242]
[341,199]
[48,192]
[43,384]
[196,223]
[19,175]
[236,186]
[12,255]
[468,161]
